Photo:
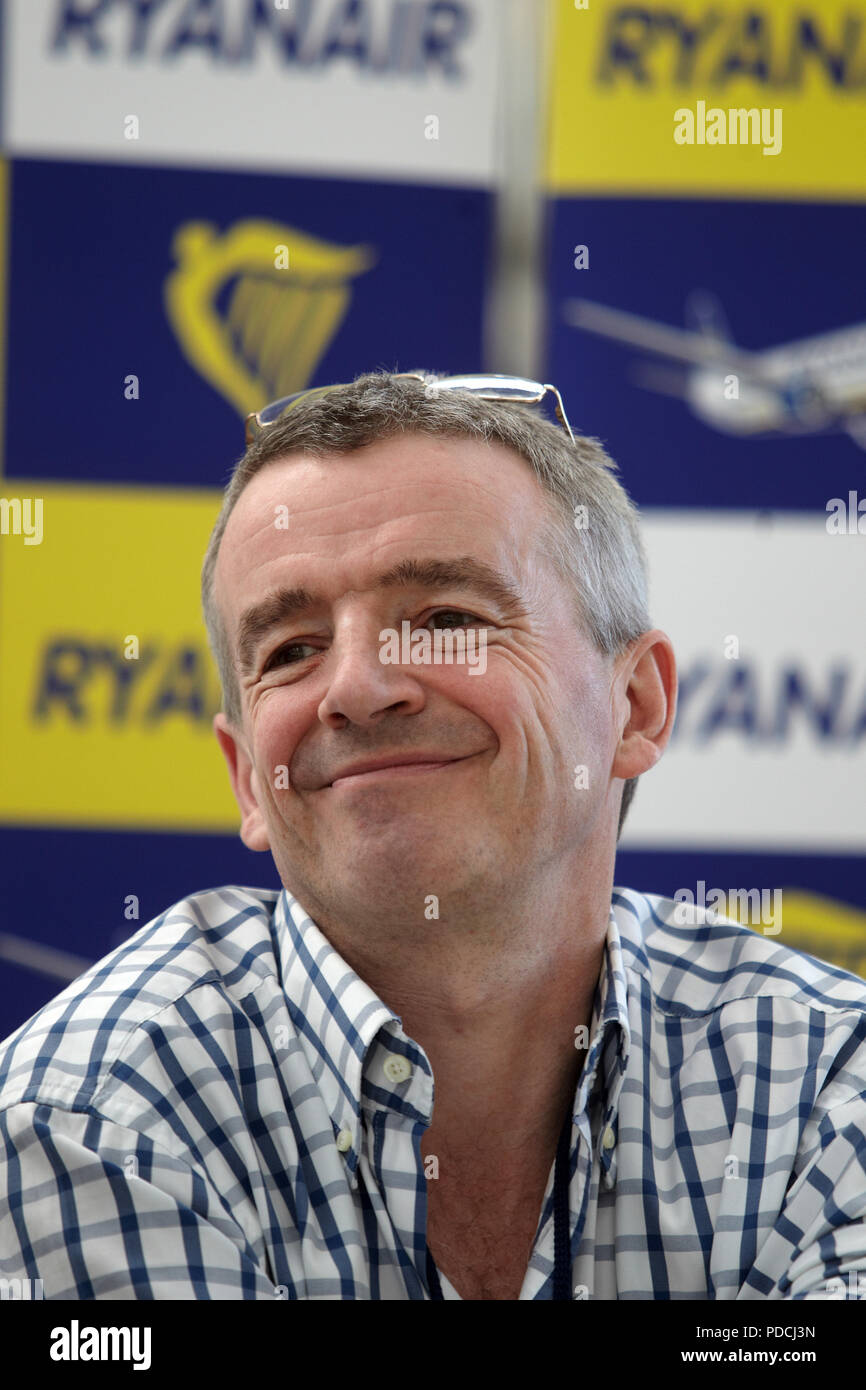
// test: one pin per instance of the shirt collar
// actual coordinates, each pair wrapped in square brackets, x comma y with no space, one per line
[606,1062]
[336,1015]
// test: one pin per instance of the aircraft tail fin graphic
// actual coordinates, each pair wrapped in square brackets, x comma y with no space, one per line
[704,314]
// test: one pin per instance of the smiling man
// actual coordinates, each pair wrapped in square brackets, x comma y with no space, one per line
[448,1059]
[484,822]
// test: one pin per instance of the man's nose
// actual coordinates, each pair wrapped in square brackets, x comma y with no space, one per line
[360,684]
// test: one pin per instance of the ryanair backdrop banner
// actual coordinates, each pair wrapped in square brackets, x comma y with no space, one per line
[707,320]
[202,208]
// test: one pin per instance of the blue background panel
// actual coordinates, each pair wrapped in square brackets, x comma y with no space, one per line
[90,251]
[780,271]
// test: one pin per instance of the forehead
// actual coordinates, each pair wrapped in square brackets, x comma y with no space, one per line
[341,518]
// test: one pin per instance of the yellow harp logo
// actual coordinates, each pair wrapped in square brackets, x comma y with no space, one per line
[255,309]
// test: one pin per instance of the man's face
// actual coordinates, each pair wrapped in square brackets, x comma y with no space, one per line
[317,698]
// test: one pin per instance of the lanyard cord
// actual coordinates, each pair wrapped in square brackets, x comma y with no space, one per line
[561,1224]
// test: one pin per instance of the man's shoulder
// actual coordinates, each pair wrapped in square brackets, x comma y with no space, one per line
[698,960]
[219,939]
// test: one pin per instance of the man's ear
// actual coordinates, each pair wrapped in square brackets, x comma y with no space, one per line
[245,784]
[645,691]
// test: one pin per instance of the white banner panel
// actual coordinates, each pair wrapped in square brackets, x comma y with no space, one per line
[390,89]
[766,614]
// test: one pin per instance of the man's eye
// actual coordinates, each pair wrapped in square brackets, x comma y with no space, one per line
[452,613]
[275,658]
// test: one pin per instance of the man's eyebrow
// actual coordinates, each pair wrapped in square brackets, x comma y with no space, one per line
[466,572]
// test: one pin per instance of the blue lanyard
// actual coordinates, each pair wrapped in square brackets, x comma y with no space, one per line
[561,1224]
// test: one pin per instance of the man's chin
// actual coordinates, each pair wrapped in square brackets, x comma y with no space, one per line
[406,866]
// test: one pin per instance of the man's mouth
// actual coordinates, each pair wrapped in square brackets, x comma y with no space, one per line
[393,771]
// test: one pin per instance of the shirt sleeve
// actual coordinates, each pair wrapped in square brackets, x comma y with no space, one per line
[817,1248]
[99,1211]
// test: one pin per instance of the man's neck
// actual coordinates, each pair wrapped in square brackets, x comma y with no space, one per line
[504,1021]
[505,1071]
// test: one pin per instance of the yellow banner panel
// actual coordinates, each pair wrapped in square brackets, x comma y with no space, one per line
[691,98]
[107,686]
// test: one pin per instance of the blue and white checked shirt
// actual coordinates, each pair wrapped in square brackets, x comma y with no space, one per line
[209,1113]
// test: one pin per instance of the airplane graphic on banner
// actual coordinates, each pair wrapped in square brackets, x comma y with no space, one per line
[814,385]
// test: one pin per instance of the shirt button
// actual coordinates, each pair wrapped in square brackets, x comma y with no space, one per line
[609,1138]
[397,1068]
[344,1140]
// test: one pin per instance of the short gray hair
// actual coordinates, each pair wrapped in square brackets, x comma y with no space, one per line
[602,561]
